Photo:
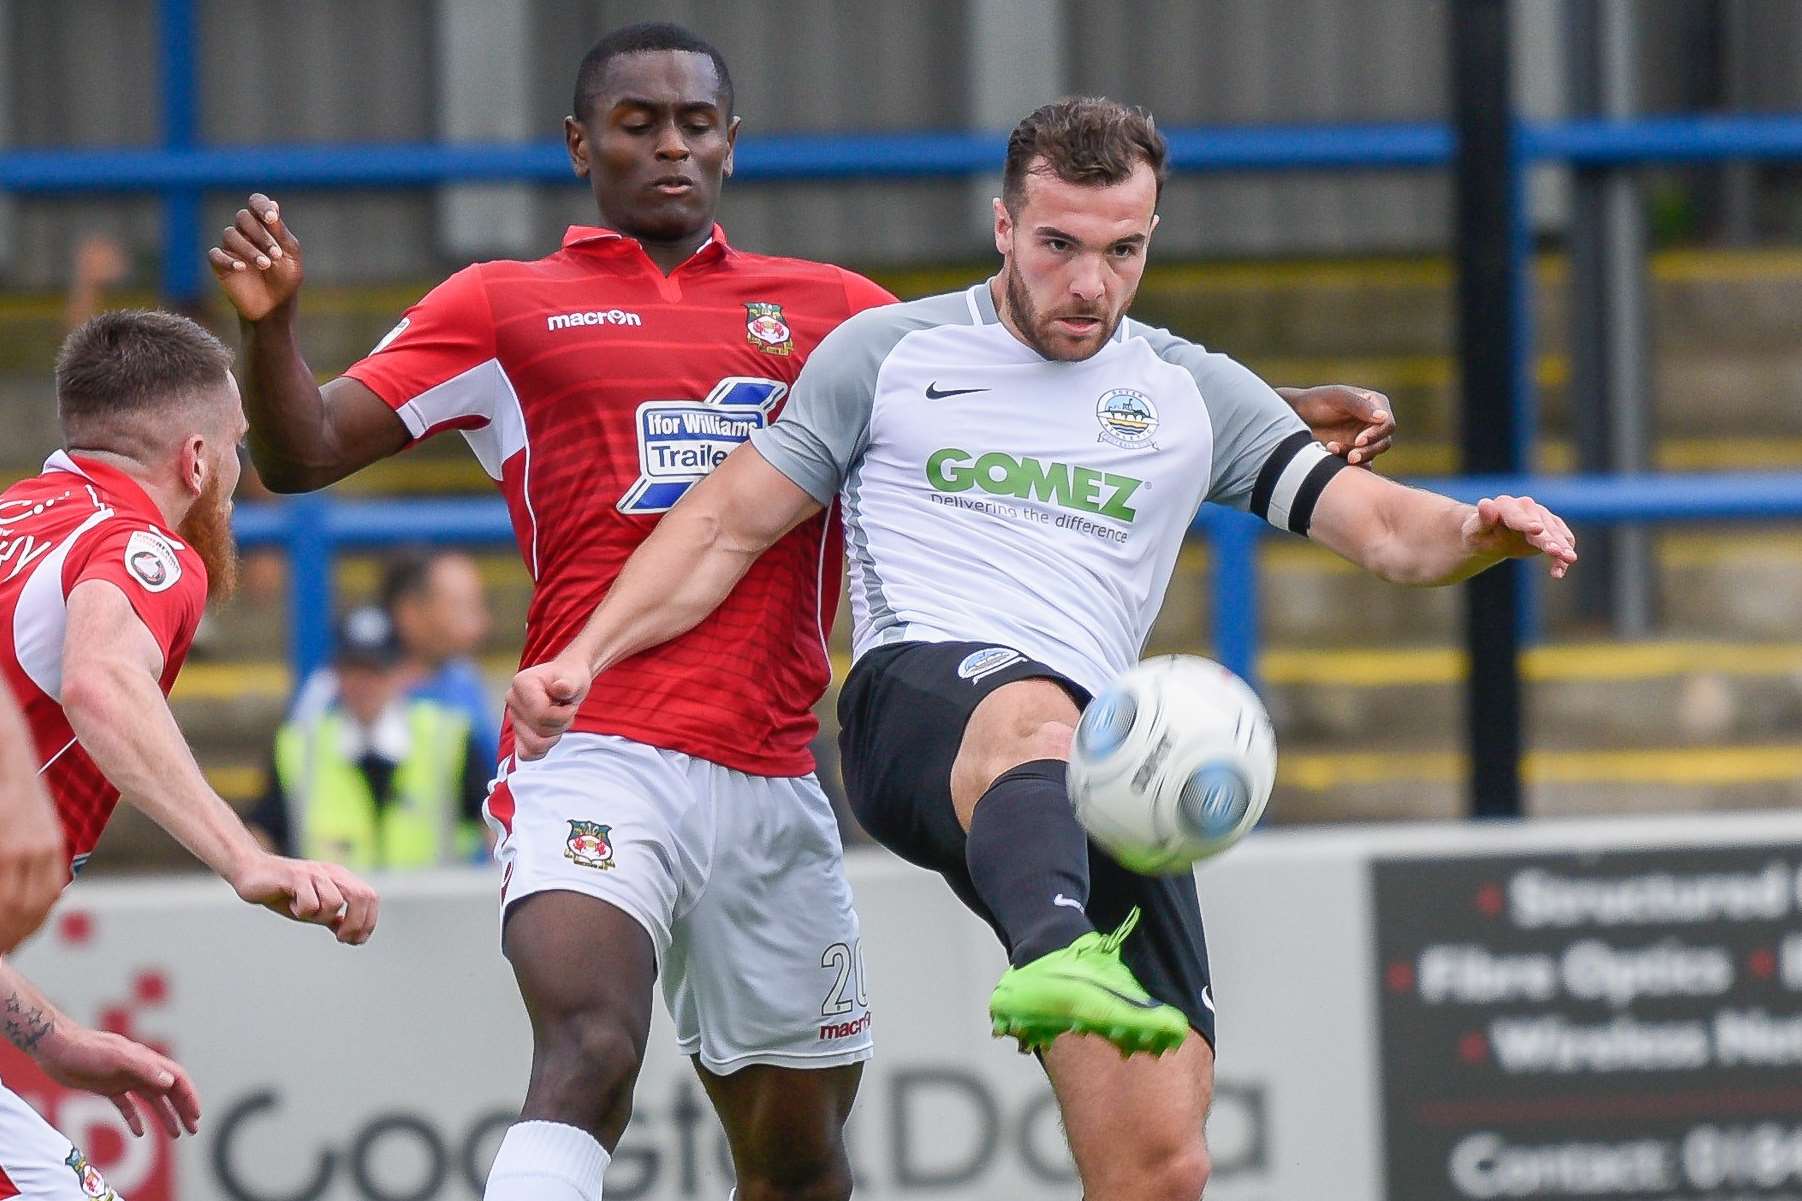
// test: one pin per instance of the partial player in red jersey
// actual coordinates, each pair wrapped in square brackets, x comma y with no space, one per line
[595,386]
[105,560]
[32,857]
[678,833]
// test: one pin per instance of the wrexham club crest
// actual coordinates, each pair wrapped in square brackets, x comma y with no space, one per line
[588,845]
[766,330]
[92,1185]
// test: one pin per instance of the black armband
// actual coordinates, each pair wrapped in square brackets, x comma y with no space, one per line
[1291,482]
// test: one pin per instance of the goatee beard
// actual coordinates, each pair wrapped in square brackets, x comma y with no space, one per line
[1026,319]
[208,529]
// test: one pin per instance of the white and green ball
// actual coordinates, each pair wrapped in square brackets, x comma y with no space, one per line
[1172,762]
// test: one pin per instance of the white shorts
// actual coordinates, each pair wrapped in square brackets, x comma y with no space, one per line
[738,879]
[37,1163]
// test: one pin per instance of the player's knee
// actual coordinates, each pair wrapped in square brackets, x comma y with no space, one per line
[1042,740]
[585,1069]
[1183,1176]
[826,1179]
[603,1052]
[1142,1171]
[1050,740]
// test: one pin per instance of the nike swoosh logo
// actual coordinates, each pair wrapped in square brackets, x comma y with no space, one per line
[1117,995]
[1207,997]
[1067,902]
[933,393]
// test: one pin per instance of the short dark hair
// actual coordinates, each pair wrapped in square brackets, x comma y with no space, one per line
[1087,140]
[643,38]
[130,364]
[408,574]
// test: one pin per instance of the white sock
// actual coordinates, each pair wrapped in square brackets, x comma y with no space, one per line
[547,1161]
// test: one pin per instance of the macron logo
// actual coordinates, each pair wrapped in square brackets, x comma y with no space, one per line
[598,317]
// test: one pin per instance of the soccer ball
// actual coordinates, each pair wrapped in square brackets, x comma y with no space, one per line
[1172,763]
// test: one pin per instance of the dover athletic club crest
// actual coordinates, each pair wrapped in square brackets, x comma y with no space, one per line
[588,845]
[1128,419]
[766,330]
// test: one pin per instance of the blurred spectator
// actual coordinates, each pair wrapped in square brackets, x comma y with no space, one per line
[378,780]
[440,612]
[100,263]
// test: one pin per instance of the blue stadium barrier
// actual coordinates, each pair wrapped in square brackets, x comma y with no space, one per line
[1580,499]
[315,530]
[1686,139]
[919,155]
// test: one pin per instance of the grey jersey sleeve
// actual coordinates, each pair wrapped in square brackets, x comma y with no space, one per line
[826,425]
[1265,459]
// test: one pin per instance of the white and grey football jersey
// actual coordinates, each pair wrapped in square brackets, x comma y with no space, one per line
[993,495]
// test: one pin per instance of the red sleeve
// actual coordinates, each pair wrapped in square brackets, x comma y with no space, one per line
[433,368]
[162,577]
[861,294]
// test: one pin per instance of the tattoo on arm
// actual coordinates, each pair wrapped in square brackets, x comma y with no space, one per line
[25,1026]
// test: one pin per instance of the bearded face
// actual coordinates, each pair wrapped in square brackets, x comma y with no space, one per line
[208,529]
[1073,256]
[1048,333]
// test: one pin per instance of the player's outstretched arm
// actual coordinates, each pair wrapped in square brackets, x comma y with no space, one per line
[1354,422]
[112,695]
[679,575]
[1411,536]
[302,436]
[133,1077]
[33,864]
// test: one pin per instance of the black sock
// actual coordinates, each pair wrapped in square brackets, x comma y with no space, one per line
[1029,860]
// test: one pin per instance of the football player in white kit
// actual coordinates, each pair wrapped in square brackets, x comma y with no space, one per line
[1018,465]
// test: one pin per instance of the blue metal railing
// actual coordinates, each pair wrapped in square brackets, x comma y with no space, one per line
[181,166]
[315,530]
[178,24]
[1579,499]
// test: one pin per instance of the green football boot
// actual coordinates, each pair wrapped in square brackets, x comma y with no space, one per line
[1085,989]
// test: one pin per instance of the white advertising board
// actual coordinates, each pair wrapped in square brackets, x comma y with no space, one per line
[389,1072]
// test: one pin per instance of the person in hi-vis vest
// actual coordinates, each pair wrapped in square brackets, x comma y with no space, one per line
[378,780]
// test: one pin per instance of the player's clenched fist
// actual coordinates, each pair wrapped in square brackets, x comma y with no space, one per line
[322,894]
[1518,527]
[257,260]
[542,703]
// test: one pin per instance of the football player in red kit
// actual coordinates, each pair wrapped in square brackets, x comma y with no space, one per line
[105,561]
[32,859]
[677,833]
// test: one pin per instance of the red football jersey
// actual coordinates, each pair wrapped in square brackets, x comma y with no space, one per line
[83,520]
[595,390]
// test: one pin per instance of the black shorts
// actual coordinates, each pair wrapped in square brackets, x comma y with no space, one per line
[902,715]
